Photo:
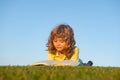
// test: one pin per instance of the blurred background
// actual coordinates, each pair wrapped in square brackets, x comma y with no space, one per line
[26,24]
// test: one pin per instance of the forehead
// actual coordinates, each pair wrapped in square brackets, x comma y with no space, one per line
[59,38]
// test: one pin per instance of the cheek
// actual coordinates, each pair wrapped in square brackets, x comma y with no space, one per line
[65,45]
[54,43]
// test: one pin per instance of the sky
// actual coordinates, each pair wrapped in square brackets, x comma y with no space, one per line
[26,24]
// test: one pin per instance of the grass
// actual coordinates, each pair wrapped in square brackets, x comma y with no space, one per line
[59,73]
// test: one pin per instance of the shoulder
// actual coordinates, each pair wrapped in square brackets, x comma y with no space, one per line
[76,48]
[50,53]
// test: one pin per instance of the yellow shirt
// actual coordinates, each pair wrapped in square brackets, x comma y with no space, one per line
[57,57]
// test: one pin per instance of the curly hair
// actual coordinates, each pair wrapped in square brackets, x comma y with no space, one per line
[65,32]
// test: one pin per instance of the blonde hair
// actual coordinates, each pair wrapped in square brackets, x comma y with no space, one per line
[62,31]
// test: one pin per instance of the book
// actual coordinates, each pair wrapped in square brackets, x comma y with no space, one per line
[56,63]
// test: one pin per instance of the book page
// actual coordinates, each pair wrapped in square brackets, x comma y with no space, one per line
[44,63]
[67,63]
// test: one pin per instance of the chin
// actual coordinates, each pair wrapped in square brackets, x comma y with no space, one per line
[59,49]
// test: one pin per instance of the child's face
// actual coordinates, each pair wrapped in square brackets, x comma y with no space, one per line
[59,44]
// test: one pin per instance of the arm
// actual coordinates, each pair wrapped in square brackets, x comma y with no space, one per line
[75,56]
[50,56]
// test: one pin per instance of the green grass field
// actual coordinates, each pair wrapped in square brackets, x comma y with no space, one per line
[59,73]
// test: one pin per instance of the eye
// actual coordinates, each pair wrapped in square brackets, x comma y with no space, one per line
[62,41]
[54,40]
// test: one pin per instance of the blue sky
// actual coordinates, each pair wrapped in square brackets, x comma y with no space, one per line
[25,26]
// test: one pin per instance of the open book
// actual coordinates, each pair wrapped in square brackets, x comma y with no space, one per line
[56,63]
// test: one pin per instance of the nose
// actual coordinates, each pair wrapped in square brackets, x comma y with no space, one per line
[58,43]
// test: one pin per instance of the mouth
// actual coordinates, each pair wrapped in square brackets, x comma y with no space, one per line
[58,47]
